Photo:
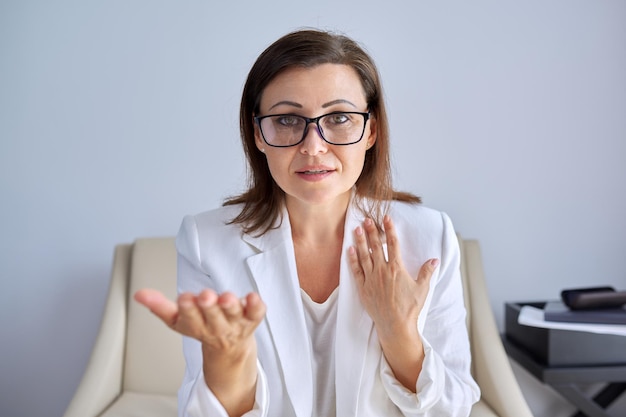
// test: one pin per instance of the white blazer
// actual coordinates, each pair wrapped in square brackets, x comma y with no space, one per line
[214,255]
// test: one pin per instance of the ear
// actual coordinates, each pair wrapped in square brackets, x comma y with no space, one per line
[258,139]
[373,132]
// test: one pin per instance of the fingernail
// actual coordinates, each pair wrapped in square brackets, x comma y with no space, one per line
[359,230]
[189,303]
[225,302]
[434,263]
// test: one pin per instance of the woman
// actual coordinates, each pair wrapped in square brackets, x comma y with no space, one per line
[351,300]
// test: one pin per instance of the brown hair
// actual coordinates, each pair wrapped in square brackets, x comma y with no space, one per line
[262,202]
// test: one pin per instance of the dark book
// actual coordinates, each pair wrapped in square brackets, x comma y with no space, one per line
[559,312]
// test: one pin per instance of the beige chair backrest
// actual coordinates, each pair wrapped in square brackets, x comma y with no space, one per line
[466,292]
[153,351]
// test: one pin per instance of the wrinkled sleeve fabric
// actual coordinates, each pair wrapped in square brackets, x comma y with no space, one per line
[445,385]
[195,399]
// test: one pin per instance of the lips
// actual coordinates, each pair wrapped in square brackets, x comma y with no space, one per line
[315,173]
[315,170]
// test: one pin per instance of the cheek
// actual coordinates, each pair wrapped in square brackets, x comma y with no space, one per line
[277,164]
[274,166]
[354,160]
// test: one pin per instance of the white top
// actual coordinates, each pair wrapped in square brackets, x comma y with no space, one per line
[321,321]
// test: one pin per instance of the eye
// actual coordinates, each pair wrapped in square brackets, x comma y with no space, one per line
[338,118]
[288,120]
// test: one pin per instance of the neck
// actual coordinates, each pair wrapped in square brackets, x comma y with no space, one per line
[317,224]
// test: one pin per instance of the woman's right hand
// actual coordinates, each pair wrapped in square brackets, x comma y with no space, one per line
[225,325]
[220,322]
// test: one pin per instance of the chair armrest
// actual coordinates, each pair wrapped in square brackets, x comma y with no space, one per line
[492,368]
[102,381]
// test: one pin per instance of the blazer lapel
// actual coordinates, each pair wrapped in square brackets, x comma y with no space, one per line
[354,327]
[274,271]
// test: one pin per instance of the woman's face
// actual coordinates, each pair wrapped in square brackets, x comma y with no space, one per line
[315,172]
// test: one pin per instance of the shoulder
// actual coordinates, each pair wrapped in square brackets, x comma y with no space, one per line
[419,226]
[200,231]
[419,217]
[216,218]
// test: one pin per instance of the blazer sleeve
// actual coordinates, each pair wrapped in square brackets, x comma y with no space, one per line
[445,385]
[195,399]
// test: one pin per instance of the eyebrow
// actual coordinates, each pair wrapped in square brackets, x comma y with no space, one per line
[288,103]
[325,105]
[340,101]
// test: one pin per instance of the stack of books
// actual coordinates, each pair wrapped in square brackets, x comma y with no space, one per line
[597,305]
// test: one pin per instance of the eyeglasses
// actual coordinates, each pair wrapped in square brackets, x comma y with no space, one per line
[336,128]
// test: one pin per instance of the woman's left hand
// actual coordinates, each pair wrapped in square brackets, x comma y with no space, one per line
[391,296]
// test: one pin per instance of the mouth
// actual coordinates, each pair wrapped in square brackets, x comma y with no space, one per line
[314,171]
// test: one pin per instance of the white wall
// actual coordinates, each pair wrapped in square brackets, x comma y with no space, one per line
[119,117]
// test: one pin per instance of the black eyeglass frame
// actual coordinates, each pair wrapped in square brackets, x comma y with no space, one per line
[308,121]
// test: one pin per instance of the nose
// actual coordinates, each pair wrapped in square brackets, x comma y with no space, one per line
[313,142]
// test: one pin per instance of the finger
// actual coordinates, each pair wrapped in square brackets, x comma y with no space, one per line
[190,317]
[426,271]
[362,249]
[375,242]
[231,306]
[212,312]
[393,246]
[255,308]
[355,265]
[158,304]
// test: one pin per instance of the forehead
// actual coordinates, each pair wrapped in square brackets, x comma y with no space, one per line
[315,86]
